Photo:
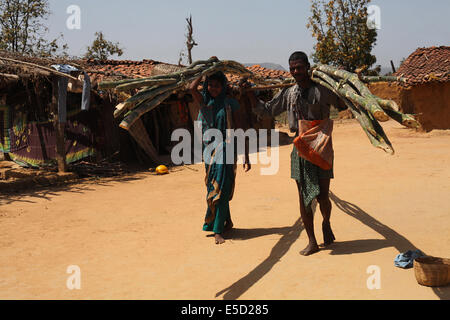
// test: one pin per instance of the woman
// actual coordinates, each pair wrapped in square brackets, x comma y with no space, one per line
[218,112]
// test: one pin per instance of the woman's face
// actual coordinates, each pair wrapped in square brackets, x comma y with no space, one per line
[214,88]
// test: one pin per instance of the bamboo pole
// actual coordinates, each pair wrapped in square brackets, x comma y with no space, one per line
[370,79]
[375,133]
[144,83]
[407,120]
[388,104]
[371,103]
[269,87]
[145,107]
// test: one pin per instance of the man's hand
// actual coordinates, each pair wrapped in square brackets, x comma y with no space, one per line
[244,84]
[247,167]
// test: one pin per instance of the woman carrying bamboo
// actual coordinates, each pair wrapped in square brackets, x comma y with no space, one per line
[221,113]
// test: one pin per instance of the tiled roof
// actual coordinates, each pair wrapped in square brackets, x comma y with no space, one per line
[262,72]
[426,65]
[120,69]
[114,69]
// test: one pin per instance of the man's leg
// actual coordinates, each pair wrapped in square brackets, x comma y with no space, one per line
[325,209]
[308,222]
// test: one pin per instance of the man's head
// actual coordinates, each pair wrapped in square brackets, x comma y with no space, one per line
[299,66]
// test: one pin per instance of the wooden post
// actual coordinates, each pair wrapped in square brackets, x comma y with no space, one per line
[3,103]
[59,130]
[393,67]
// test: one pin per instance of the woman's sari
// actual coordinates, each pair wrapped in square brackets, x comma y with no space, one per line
[220,175]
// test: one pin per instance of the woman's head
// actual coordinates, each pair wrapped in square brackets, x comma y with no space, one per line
[216,84]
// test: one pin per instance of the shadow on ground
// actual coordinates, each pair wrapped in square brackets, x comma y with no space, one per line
[392,238]
[76,186]
[291,234]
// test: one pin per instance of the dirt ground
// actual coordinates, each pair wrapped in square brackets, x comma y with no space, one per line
[140,237]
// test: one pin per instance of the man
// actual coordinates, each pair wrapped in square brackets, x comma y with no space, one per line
[305,101]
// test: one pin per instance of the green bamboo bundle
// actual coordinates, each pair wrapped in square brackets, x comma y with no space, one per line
[360,101]
[370,126]
[370,101]
[154,90]
[367,108]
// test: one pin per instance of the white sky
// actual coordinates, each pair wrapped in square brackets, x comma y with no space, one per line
[247,31]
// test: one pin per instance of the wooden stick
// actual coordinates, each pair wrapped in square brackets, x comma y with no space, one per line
[273,86]
[40,67]
[108,73]
[9,76]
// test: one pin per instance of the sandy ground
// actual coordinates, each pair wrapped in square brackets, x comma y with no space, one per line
[140,237]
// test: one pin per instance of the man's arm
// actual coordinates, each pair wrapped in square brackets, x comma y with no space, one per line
[241,122]
[273,108]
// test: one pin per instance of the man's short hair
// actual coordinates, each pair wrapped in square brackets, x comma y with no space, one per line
[299,55]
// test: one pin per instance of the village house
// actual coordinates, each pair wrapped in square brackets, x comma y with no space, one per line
[427,93]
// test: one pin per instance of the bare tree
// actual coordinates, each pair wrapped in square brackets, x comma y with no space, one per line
[190,42]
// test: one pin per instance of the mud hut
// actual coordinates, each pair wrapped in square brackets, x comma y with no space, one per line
[41,117]
[149,141]
[427,94]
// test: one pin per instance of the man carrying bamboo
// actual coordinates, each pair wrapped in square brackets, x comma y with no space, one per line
[306,101]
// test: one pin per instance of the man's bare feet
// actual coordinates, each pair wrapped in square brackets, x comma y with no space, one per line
[219,238]
[328,236]
[310,249]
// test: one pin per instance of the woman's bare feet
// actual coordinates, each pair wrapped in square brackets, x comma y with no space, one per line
[228,226]
[310,249]
[219,238]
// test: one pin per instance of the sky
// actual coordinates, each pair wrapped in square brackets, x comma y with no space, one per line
[247,31]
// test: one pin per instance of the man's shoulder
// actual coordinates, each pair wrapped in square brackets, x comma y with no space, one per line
[325,93]
[289,91]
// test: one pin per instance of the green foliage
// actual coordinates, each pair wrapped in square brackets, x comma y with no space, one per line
[101,49]
[343,37]
[23,29]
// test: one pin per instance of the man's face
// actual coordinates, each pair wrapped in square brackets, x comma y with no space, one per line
[214,88]
[299,70]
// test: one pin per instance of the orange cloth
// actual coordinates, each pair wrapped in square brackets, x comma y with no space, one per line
[314,142]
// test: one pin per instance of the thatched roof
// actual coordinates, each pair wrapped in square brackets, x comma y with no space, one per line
[26,66]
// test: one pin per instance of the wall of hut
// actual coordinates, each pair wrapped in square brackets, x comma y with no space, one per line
[27,132]
[429,101]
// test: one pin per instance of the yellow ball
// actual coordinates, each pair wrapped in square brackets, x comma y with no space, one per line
[162,170]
